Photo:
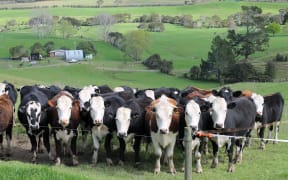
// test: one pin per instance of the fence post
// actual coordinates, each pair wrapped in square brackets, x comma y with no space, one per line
[188,153]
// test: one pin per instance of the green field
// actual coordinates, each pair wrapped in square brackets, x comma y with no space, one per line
[185,47]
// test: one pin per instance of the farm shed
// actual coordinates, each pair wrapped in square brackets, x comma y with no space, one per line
[74,54]
[57,53]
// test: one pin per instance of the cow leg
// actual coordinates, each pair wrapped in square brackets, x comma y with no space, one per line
[205,141]
[33,142]
[96,145]
[240,143]
[122,151]
[261,136]
[73,147]
[158,153]
[40,144]
[8,139]
[215,155]
[230,149]
[46,141]
[136,147]
[84,140]
[277,126]
[198,161]
[58,148]
[269,133]
[1,144]
[169,155]
[108,149]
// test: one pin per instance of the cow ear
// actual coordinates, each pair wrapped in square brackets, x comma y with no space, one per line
[214,92]
[94,95]
[97,91]
[107,104]
[22,109]
[135,115]
[231,105]
[179,109]
[51,103]
[237,93]
[75,102]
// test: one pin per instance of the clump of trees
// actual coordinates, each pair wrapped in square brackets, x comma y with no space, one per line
[155,62]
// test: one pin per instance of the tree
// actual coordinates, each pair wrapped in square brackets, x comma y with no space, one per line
[254,38]
[18,51]
[135,43]
[270,69]
[42,23]
[273,28]
[37,48]
[87,47]
[117,2]
[195,72]
[221,56]
[100,3]
[66,28]
[105,21]
[116,39]
[49,46]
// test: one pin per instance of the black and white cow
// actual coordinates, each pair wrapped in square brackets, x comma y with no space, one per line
[236,118]
[130,123]
[32,115]
[272,113]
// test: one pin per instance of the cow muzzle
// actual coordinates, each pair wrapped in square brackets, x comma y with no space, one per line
[34,127]
[219,126]
[122,134]
[164,131]
[97,122]
[64,123]
[194,128]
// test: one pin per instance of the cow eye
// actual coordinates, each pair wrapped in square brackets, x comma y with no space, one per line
[153,109]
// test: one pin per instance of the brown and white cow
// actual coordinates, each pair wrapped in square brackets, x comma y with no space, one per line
[64,117]
[163,117]
[6,121]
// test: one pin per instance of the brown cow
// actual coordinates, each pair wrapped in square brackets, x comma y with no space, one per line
[6,121]
[64,117]
[163,118]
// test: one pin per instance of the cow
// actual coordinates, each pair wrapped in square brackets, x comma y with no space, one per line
[271,114]
[6,121]
[64,118]
[236,118]
[111,102]
[130,120]
[33,116]
[84,96]
[11,91]
[163,117]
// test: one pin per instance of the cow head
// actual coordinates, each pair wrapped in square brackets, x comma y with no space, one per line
[63,104]
[259,103]
[84,97]
[218,112]
[97,109]
[123,118]
[164,108]
[192,115]
[3,89]
[33,114]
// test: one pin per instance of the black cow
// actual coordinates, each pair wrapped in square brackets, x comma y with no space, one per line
[239,121]
[272,113]
[130,120]
[32,115]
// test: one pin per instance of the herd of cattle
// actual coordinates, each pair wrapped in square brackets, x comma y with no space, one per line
[156,115]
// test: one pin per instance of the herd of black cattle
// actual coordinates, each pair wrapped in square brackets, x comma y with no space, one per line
[156,115]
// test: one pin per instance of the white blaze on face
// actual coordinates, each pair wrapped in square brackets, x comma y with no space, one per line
[150,94]
[192,114]
[123,117]
[164,111]
[2,89]
[97,109]
[64,106]
[219,111]
[259,103]
[85,96]
[33,113]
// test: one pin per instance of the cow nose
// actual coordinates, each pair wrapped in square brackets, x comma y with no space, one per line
[164,131]
[122,134]
[36,126]
[219,126]
[64,123]
[259,114]
[86,105]
[194,128]
[97,122]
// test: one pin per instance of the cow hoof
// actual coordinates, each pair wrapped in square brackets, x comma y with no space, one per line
[156,171]
[183,169]
[200,170]
[231,168]
[173,171]
[275,142]
[57,162]
[109,162]
[75,161]
[121,163]
[214,165]
[40,150]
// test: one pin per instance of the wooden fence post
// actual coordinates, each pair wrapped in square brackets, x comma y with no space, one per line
[188,153]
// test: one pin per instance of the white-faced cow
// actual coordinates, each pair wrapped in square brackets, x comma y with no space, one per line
[130,123]
[271,115]
[64,117]
[32,115]
[163,117]
[6,121]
